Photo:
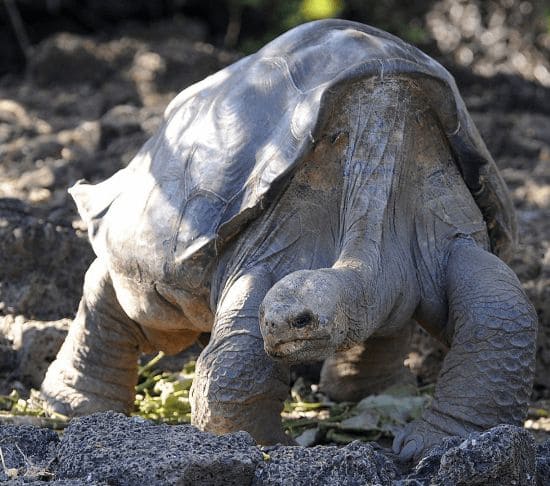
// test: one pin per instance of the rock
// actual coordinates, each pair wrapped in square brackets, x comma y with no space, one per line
[110,448]
[185,63]
[68,59]
[118,122]
[355,464]
[42,177]
[42,263]
[543,463]
[503,455]
[114,449]
[27,452]
[36,344]
[486,37]
[428,466]
[28,151]
[8,356]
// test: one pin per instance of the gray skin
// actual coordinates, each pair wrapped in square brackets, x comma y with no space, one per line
[307,203]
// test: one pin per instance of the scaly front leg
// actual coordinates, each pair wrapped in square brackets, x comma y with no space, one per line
[488,373]
[237,386]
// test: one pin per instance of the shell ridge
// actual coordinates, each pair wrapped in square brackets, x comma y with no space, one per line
[279,60]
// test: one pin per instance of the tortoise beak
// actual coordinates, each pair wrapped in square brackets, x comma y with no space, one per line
[295,339]
[298,350]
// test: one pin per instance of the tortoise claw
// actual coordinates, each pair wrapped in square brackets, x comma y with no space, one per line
[415,440]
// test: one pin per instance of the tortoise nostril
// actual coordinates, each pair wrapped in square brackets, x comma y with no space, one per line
[302,320]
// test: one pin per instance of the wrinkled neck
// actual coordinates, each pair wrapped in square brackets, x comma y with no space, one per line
[377,124]
[359,303]
[372,165]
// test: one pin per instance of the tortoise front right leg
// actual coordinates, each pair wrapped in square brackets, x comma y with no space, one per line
[488,373]
[237,386]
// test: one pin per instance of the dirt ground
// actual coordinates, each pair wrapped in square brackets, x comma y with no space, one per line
[85,106]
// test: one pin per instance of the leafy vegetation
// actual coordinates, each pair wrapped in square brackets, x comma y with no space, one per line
[308,415]
[313,419]
[163,396]
[16,410]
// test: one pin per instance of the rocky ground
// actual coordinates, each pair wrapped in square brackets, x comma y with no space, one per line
[110,448]
[81,110]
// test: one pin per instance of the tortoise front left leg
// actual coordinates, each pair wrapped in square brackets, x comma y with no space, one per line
[237,386]
[488,373]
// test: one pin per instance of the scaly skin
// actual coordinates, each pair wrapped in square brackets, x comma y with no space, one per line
[487,375]
[237,386]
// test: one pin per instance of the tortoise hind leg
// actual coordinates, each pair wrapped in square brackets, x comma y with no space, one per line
[487,375]
[367,368]
[96,368]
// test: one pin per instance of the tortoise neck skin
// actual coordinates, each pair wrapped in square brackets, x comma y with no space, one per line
[403,203]
[372,225]
[372,284]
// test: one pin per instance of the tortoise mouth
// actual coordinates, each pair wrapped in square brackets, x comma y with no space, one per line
[299,350]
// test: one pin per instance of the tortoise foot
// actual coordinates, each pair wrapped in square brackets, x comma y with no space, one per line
[416,439]
[61,397]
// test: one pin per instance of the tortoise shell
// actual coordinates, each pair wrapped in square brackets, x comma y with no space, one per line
[229,142]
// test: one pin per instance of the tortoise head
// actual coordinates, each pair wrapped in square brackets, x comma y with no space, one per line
[302,317]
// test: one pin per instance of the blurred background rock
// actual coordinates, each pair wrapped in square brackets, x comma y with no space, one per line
[490,36]
[83,84]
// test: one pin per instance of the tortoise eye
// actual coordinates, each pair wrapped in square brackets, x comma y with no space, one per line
[302,320]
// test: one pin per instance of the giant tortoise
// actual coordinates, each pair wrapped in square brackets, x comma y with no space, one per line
[309,202]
